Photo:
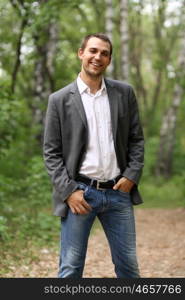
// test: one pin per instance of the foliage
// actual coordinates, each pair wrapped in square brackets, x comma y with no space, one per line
[26,215]
[158,191]
[27,200]
[11,118]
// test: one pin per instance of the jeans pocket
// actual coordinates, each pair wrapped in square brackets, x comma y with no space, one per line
[84,187]
[125,194]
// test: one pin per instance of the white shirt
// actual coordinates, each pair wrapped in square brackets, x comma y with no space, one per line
[100,160]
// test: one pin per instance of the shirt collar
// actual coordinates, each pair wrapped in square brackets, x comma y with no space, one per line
[82,86]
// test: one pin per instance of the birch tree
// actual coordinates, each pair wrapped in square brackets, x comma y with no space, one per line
[136,53]
[124,37]
[169,122]
[109,13]
[165,42]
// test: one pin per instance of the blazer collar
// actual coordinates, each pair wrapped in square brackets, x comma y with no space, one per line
[78,102]
[113,96]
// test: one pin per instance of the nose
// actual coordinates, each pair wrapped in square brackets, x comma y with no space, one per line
[97,55]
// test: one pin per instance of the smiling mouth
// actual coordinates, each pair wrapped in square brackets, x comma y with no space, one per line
[96,65]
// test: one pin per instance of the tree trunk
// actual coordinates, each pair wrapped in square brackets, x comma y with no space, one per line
[44,71]
[136,53]
[23,12]
[124,40]
[109,31]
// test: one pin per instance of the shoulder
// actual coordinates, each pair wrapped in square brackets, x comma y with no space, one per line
[119,85]
[61,93]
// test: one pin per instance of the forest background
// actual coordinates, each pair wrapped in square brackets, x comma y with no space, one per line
[38,55]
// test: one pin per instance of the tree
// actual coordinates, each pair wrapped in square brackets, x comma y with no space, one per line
[109,25]
[22,9]
[124,37]
[169,121]
[45,41]
[137,50]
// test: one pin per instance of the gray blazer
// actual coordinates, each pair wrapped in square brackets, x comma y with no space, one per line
[66,136]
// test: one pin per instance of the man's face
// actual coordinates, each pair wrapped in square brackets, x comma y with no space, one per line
[95,57]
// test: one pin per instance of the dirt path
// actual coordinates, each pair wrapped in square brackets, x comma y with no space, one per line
[160,248]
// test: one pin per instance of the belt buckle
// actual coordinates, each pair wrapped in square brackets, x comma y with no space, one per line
[98,185]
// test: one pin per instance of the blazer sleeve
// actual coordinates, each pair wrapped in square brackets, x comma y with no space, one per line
[135,153]
[52,152]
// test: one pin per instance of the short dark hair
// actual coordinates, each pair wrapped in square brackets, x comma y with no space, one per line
[100,36]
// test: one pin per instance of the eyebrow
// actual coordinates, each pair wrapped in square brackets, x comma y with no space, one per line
[102,51]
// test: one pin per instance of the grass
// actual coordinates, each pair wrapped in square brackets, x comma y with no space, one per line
[160,193]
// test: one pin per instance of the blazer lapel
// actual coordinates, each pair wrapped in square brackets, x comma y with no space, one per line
[113,96]
[78,102]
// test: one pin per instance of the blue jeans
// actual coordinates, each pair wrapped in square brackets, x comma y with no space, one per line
[115,212]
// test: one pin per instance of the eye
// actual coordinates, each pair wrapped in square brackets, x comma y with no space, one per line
[92,50]
[105,53]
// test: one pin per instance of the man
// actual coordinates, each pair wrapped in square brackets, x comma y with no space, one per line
[93,150]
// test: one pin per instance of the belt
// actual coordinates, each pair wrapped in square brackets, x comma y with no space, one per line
[98,184]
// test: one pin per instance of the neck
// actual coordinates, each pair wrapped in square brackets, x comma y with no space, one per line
[94,83]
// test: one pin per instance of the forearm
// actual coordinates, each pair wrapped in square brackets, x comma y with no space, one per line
[52,151]
[58,174]
[135,152]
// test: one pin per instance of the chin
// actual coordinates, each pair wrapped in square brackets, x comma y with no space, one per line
[94,74]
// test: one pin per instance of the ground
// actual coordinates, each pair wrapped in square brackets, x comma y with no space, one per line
[160,249]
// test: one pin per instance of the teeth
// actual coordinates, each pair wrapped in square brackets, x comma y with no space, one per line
[97,65]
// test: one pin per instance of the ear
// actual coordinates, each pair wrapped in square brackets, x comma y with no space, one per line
[80,53]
